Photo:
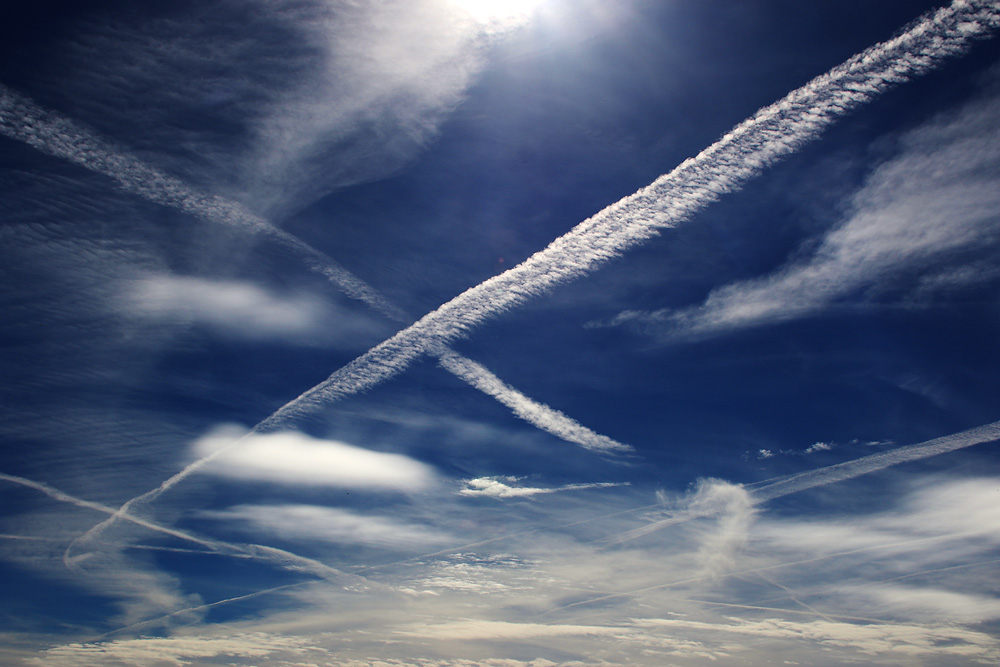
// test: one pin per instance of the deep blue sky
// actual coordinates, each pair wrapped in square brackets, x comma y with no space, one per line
[179,182]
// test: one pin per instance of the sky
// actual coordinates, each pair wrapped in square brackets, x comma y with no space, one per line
[456,333]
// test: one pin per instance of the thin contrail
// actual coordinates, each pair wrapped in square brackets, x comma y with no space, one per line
[285,559]
[772,133]
[766,568]
[105,509]
[22,119]
[838,473]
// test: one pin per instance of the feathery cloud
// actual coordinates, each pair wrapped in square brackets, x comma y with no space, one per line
[314,523]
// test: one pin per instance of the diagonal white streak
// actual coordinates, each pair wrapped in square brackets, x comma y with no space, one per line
[838,473]
[284,559]
[772,133]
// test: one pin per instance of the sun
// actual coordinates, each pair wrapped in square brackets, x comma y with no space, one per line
[491,11]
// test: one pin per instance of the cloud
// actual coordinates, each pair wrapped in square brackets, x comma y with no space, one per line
[173,651]
[921,211]
[492,487]
[298,459]
[832,474]
[732,507]
[314,523]
[242,310]
[385,75]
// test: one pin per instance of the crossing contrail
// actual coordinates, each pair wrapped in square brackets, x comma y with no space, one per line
[22,119]
[774,132]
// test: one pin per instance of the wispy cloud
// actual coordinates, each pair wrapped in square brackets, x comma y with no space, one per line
[921,211]
[493,487]
[238,309]
[297,459]
[314,523]
[835,473]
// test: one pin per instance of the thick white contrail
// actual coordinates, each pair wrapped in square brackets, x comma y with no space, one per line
[772,133]
[22,119]
[838,473]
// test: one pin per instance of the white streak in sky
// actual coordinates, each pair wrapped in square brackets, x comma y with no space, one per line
[25,121]
[56,494]
[540,415]
[772,133]
[285,559]
[837,473]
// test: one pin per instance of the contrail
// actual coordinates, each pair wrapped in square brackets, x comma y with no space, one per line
[771,134]
[838,473]
[766,568]
[105,509]
[284,559]
[22,119]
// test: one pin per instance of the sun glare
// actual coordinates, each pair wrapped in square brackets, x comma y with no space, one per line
[504,11]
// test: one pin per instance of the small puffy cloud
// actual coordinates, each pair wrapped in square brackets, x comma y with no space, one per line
[242,310]
[492,487]
[296,458]
[819,447]
[331,524]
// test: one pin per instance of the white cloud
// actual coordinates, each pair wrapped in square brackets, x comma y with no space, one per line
[492,487]
[386,74]
[295,458]
[819,447]
[331,524]
[917,212]
[238,309]
[172,651]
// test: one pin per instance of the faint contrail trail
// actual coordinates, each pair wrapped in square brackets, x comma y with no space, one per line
[772,133]
[285,559]
[777,566]
[22,119]
[838,473]
[105,509]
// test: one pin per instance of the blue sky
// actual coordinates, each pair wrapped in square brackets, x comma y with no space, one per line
[446,333]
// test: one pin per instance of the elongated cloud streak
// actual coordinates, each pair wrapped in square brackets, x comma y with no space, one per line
[23,120]
[772,133]
[837,473]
